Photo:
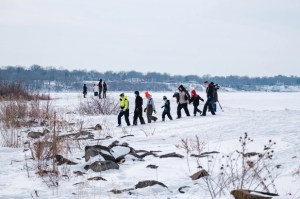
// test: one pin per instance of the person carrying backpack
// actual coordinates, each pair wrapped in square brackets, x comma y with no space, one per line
[195,99]
[124,106]
[183,98]
[167,109]
[104,89]
[84,90]
[150,108]
[138,111]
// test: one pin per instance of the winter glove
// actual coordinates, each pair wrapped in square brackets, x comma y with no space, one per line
[202,99]
[162,106]
[155,111]
[145,109]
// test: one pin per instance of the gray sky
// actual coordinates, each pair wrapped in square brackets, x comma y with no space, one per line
[217,37]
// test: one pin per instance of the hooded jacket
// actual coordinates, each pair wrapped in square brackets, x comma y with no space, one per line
[124,103]
[195,98]
[184,96]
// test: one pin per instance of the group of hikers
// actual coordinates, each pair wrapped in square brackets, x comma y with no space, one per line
[99,89]
[183,98]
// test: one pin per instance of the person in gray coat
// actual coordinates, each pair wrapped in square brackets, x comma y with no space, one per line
[183,100]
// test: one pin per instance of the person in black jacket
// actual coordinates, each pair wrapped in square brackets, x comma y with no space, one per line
[138,111]
[196,101]
[210,95]
[167,109]
[84,90]
[100,88]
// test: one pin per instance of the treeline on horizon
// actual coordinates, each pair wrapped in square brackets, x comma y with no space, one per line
[38,78]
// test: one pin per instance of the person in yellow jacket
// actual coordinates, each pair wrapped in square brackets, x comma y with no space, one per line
[124,106]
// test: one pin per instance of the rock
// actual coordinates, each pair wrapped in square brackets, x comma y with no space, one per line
[99,166]
[119,151]
[171,155]
[98,127]
[199,174]
[116,191]
[148,183]
[35,135]
[61,160]
[97,178]
[151,166]
[205,154]
[182,189]
[245,194]
[126,136]
[113,144]
[92,151]
[79,173]
[45,131]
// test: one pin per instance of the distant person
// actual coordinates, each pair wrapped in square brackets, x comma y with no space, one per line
[124,106]
[84,90]
[138,110]
[150,108]
[100,88]
[95,89]
[183,98]
[104,89]
[210,95]
[167,109]
[195,99]
[216,97]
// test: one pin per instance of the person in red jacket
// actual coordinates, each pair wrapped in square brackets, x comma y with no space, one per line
[196,101]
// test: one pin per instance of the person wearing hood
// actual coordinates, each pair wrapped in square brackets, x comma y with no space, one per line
[124,106]
[100,88]
[84,90]
[138,110]
[150,108]
[183,98]
[167,109]
[195,99]
[210,95]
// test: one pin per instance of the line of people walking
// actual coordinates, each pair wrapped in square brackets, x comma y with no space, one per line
[183,98]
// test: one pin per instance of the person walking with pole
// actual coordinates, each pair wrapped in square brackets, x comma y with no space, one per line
[210,94]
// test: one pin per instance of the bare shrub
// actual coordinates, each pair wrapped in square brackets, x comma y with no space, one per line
[241,169]
[18,90]
[95,106]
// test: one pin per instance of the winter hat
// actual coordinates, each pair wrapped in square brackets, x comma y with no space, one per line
[122,95]
[164,97]
[137,92]
[147,94]
[181,87]
[194,93]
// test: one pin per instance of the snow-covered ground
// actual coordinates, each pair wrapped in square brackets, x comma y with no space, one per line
[264,116]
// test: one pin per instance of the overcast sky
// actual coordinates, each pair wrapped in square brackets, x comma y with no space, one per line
[217,37]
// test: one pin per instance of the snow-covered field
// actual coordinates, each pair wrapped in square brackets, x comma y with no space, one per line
[264,116]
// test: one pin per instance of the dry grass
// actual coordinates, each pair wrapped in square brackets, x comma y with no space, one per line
[95,106]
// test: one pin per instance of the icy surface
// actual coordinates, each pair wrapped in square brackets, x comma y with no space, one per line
[264,116]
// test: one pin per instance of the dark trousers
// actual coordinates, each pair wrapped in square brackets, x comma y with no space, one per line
[138,113]
[208,103]
[104,93]
[100,91]
[196,110]
[168,114]
[126,114]
[84,94]
[182,106]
